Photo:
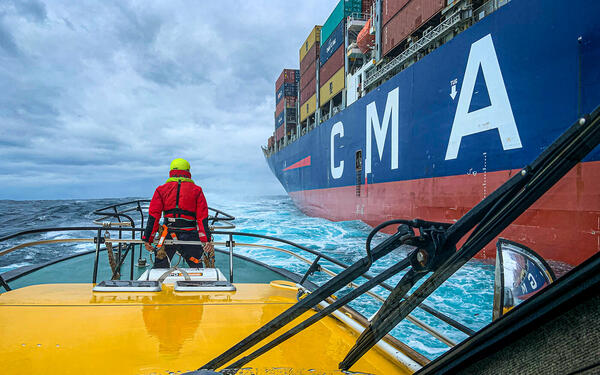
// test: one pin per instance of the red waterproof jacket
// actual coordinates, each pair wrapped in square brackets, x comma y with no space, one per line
[179,198]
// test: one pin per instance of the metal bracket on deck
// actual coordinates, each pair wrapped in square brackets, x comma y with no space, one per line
[314,267]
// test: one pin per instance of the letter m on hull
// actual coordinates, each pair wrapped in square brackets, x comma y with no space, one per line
[381,129]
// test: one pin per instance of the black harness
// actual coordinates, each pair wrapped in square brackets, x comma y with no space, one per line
[178,222]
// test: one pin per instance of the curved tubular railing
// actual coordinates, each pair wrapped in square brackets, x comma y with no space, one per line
[98,239]
[447,341]
[231,244]
[423,306]
[118,210]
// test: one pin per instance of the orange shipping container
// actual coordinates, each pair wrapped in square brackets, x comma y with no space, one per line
[407,20]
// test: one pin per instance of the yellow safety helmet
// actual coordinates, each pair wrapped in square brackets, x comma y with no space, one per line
[180,164]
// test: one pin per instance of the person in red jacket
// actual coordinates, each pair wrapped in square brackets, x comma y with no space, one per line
[185,213]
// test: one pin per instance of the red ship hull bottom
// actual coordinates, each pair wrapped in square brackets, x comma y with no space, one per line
[563,225]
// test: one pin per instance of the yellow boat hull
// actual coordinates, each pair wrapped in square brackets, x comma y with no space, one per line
[68,328]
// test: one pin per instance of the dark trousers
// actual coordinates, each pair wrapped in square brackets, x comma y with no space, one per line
[186,251]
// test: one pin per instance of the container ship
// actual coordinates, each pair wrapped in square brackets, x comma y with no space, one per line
[421,108]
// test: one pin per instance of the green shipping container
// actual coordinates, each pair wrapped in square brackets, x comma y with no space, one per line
[343,9]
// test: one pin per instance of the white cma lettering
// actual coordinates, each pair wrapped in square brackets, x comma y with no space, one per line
[336,171]
[381,129]
[498,115]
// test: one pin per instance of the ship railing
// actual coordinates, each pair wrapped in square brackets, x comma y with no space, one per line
[229,240]
[359,16]
[487,8]
[374,75]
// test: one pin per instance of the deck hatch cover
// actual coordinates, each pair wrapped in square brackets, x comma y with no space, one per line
[203,286]
[127,286]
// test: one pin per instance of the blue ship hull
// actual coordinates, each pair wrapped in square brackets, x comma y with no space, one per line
[436,138]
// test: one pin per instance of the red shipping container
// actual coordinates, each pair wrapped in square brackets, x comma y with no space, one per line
[335,63]
[280,132]
[366,6]
[271,141]
[286,76]
[279,107]
[389,8]
[309,75]
[308,91]
[311,56]
[288,101]
[410,18]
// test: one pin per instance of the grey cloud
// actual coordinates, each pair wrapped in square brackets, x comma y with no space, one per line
[98,97]
[32,10]
[7,41]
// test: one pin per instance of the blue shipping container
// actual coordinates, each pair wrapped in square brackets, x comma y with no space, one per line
[335,41]
[287,89]
[343,9]
[279,120]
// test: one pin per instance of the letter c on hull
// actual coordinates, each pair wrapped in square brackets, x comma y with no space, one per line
[336,171]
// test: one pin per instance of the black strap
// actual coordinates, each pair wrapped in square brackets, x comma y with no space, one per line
[180,222]
[177,199]
[178,212]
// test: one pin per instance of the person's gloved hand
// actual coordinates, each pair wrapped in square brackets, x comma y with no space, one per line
[148,247]
[209,248]
[209,255]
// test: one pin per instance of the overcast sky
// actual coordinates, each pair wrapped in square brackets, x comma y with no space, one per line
[97,97]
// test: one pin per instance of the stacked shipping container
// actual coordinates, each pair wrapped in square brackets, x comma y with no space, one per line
[366,6]
[286,93]
[323,52]
[271,141]
[402,17]
[332,57]
[342,10]
[309,58]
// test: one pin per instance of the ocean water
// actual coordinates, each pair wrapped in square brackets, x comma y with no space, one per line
[467,296]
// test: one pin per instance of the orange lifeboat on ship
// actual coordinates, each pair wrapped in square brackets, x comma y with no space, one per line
[365,39]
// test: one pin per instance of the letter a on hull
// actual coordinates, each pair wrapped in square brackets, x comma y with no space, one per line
[498,115]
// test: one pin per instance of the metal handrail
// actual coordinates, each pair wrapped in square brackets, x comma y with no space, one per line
[447,341]
[232,244]
[106,213]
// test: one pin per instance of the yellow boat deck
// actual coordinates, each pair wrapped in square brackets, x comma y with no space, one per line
[69,329]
